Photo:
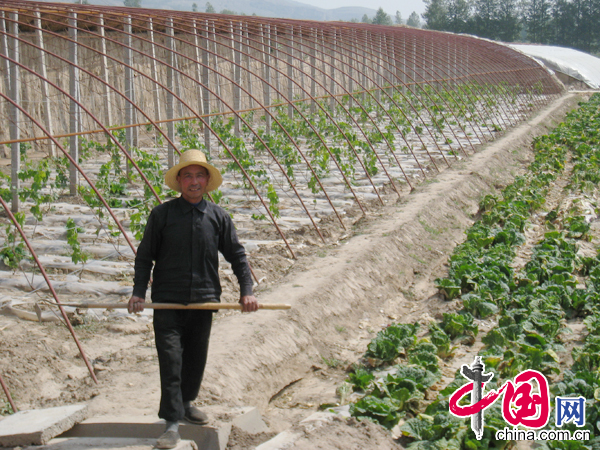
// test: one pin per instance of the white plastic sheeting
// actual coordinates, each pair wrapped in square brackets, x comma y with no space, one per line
[579,65]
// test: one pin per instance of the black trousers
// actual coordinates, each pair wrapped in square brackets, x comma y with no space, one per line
[182,344]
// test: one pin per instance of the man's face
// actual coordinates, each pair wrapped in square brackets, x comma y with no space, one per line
[193,180]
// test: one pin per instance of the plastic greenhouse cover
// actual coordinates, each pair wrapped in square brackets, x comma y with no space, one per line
[579,65]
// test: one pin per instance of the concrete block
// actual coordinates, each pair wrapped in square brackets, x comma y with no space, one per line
[250,420]
[213,437]
[283,440]
[143,426]
[108,444]
[38,426]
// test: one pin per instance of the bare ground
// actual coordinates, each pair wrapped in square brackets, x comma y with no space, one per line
[288,363]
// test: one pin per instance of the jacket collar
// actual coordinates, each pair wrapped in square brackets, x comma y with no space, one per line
[187,207]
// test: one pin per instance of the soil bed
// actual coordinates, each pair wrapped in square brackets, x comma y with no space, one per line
[286,363]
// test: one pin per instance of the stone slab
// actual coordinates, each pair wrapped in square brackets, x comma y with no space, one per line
[282,441]
[213,437]
[38,426]
[107,444]
[205,437]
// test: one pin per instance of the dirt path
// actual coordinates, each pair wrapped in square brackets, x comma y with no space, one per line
[288,363]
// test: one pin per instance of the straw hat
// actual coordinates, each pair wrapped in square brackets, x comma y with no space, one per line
[189,158]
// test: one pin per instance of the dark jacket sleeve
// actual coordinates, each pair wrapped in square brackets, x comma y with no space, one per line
[146,255]
[234,253]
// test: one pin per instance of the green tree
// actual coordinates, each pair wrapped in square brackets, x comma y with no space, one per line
[365,19]
[228,11]
[382,18]
[398,18]
[413,20]
[485,18]
[509,22]
[564,23]
[436,15]
[538,17]
[132,3]
[195,7]
[587,15]
[459,16]
[209,8]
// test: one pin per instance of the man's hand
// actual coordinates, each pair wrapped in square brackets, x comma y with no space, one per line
[136,304]
[249,303]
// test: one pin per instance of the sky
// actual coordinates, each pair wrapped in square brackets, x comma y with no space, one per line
[389,6]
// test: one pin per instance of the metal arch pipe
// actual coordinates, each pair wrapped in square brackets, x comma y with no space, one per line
[374,58]
[431,47]
[89,113]
[369,92]
[43,272]
[7,393]
[475,54]
[237,162]
[393,121]
[493,114]
[332,120]
[77,166]
[383,89]
[238,115]
[364,111]
[436,65]
[235,159]
[489,73]
[348,184]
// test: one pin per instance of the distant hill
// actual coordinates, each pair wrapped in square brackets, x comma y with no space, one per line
[267,8]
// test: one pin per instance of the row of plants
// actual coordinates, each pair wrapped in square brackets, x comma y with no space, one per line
[530,305]
[44,181]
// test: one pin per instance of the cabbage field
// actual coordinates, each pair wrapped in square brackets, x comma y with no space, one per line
[531,265]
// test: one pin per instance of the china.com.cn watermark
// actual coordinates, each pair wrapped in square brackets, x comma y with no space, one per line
[525,404]
[510,434]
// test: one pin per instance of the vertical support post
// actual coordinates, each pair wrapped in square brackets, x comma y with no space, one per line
[154,72]
[248,67]
[205,81]
[4,51]
[364,67]
[378,67]
[313,71]
[176,74]
[15,95]
[198,65]
[332,68]
[129,90]
[237,73]
[74,111]
[170,103]
[105,71]
[275,48]
[265,32]
[351,58]
[216,69]
[44,76]
[290,73]
[404,68]
[301,56]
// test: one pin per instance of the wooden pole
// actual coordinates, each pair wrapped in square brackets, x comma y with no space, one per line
[204,306]
[44,85]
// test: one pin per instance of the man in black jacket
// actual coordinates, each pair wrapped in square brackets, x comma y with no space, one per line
[182,240]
